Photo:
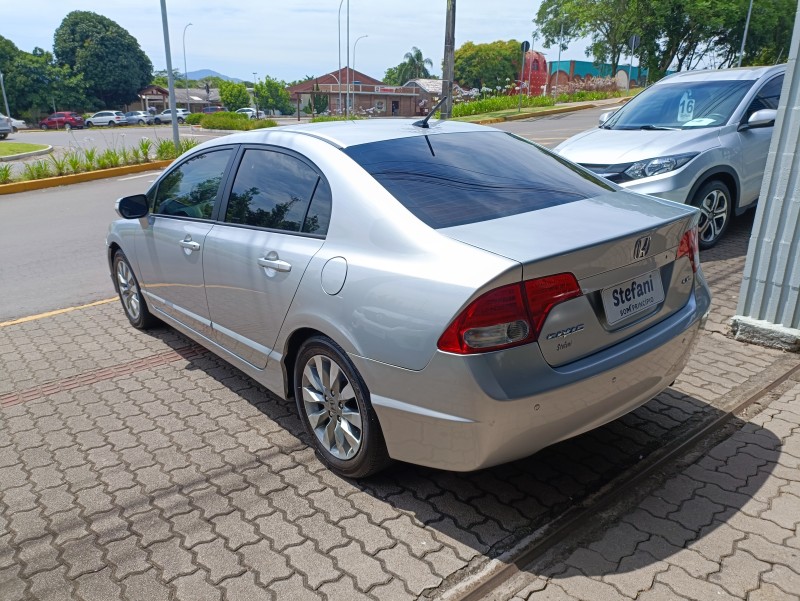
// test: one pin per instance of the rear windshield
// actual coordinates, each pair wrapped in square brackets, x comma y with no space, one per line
[454,179]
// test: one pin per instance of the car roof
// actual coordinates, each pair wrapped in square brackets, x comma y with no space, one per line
[737,73]
[344,134]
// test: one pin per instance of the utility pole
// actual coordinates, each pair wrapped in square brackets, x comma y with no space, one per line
[449,59]
[744,36]
[347,41]
[170,79]
[5,100]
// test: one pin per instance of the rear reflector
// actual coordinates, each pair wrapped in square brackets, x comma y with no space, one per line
[690,248]
[507,316]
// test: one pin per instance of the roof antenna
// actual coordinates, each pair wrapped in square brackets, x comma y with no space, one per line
[424,122]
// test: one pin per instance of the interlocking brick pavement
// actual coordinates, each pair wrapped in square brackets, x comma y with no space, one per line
[137,465]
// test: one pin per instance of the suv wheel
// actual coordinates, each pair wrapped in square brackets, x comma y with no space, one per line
[67,126]
[714,201]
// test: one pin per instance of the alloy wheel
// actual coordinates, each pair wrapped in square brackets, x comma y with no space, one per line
[714,215]
[331,407]
[128,290]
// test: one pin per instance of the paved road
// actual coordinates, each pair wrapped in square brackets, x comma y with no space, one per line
[549,131]
[52,244]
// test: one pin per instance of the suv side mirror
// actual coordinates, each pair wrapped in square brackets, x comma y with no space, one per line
[132,207]
[762,118]
[605,117]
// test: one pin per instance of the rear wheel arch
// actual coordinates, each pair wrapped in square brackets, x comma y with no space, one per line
[291,349]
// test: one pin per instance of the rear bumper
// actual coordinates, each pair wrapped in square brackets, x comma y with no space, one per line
[467,413]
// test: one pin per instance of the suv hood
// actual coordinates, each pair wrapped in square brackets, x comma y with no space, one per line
[611,146]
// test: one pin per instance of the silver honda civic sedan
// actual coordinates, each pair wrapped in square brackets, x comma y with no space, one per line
[452,296]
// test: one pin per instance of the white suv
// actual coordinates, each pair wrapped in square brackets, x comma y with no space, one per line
[166,116]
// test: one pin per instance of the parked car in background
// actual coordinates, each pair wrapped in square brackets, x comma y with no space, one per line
[6,126]
[139,118]
[452,296]
[251,113]
[166,116]
[699,137]
[62,120]
[18,124]
[214,109]
[109,118]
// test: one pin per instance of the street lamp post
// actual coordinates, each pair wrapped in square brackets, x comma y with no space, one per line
[347,42]
[744,35]
[255,94]
[340,55]
[185,73]
[5,100]
[354,49]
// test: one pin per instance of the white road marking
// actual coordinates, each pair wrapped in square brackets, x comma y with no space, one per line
[124,179]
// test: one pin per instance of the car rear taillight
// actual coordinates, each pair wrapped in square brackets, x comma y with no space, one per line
[507,316]
[690,248]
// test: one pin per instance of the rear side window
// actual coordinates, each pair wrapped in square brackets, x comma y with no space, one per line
[274,190]
[454,179]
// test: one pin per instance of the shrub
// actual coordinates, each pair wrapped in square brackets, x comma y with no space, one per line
[194,118]
[36,170]
[499,103]
[165,150]
[74,160]
[225,120]
[188,144]
[136,155]
[89,158]
[60,164]
[145,145]
[5,173]
[323,118]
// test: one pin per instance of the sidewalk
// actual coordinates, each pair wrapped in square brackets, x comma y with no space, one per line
[724,528]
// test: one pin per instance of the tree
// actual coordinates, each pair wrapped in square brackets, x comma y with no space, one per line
[110,59]
[272,95]
[479,65]
[234,95]
[318,103]
[34,82]
[414,66]
[608,23]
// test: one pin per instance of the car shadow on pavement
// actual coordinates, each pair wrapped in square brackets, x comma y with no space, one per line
[484,513]
[692,517]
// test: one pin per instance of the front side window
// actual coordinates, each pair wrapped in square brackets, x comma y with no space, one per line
[273,190]
[190,190]
[768,96]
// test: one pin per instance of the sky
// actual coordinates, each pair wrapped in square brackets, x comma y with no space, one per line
[289,39]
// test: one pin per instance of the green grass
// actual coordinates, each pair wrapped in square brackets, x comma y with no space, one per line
[8,149]
[503,113]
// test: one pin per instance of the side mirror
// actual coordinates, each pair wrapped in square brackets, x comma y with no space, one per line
[762,118]
[605,117]
[132,207]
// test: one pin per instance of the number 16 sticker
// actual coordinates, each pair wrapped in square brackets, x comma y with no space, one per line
[686,108]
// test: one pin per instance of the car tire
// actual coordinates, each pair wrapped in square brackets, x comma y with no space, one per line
[43,126]
[130,295]
[716,211]
[157,121]
[181,120]
[112,124]
[338,416]
[89,124]
[3,136]
[141,122]
[14,129]
[67,127]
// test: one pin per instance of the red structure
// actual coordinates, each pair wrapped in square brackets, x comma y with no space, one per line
[534,72]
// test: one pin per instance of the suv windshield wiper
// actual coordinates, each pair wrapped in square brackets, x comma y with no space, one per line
[656,128]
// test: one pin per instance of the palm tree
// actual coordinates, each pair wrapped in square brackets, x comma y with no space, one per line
[415,65]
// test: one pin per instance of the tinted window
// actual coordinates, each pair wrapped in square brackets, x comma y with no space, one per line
[453,179]
[271,190]
[767,97]
[319,212]
[191,189]
[682,104]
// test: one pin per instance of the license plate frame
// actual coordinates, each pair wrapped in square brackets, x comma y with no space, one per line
[632,297]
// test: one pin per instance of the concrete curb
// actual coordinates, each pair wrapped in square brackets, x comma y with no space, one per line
[77,178]
[26,155]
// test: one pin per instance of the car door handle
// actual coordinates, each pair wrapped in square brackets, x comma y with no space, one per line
[273,262]
[190,244]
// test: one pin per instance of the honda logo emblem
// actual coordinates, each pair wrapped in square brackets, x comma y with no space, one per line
[641,248]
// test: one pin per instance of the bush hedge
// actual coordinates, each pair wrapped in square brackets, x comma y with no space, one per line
[235,121]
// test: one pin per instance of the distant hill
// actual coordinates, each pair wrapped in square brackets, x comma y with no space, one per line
[202,73]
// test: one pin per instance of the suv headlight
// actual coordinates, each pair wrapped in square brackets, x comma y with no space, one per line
[658,165]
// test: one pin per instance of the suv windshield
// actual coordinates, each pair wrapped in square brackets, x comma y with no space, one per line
[681,105]
[454,179]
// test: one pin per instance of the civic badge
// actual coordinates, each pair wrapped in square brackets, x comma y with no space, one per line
[641,248]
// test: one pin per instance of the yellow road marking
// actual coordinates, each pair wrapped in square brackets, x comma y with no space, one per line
[14,322]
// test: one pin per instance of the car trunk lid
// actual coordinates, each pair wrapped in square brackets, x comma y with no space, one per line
[622,249]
